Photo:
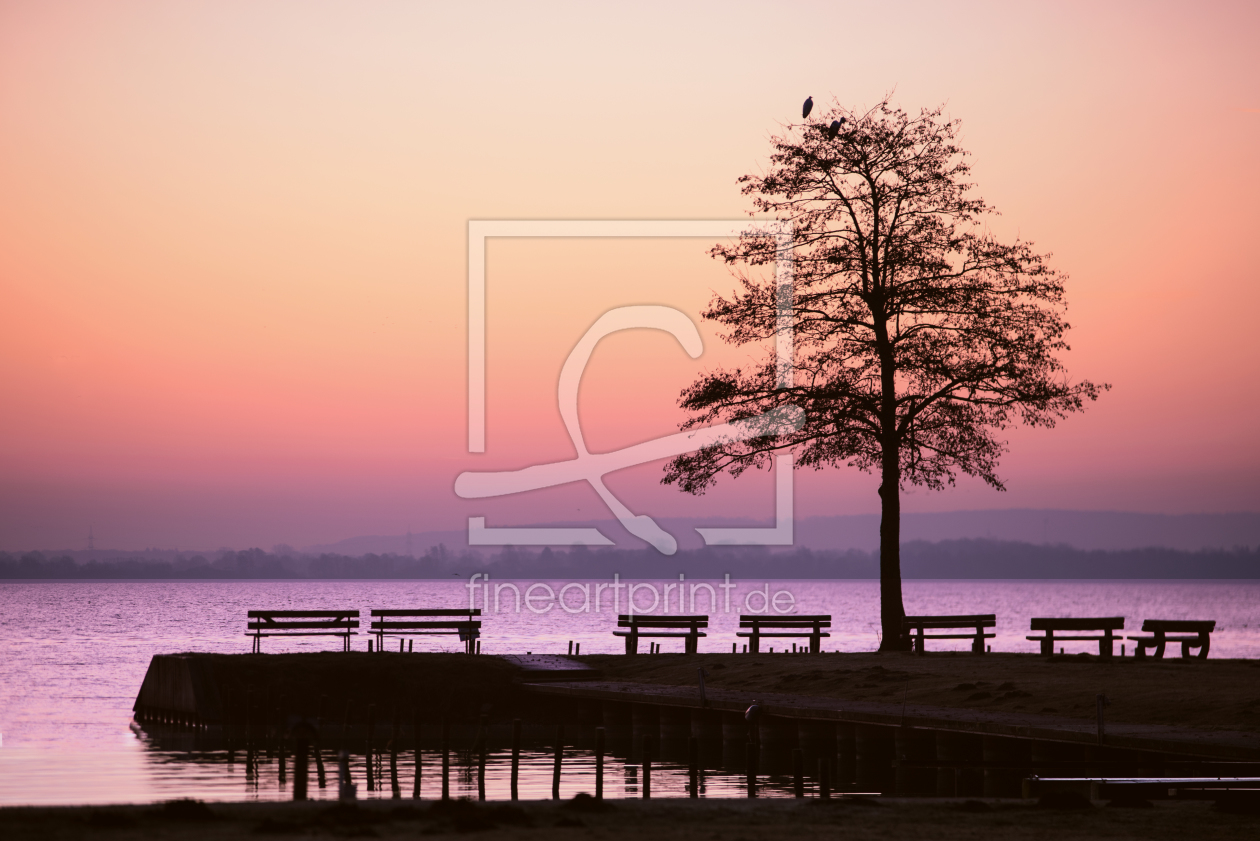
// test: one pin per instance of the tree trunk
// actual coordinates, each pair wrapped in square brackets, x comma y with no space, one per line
[891,608]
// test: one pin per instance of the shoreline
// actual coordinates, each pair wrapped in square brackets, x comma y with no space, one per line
[666,820]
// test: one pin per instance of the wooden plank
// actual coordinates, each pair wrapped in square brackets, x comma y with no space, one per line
[639,617]
[1179,625]
[1098,623]
[299,614]
[454,626]
[786,634]
[658,623]
[925,625]
[307,634]
[657,634]
[296,626]
[799,617]
[970,619]
[786,623]
[427,612]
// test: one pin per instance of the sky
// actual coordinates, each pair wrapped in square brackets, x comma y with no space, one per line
[234,239]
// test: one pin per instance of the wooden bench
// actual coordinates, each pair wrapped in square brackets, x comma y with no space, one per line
[1051,625]
[302,623]
[916,628]
[642,625]
[404,623]
[1193,634]
[759,626]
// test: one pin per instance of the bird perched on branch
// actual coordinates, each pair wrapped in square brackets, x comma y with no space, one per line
[807,107]
[834,128]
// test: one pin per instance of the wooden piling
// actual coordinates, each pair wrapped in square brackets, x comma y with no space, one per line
[394,737]
[316,745]
[555,769]
[599,764]
[647,767]
[345,788]
[798,772]
[693,765]
[516,755]
[280,752]
[249,742]
[299,769]
[483,737]
[751,763]
[446,760]
[368,751]
[415,743]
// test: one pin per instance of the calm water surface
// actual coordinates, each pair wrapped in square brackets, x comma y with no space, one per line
[73,655]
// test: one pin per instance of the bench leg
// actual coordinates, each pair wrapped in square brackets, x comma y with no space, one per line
[1106,646]
[632,643]
[977,645]
[815,644]
[1204,644]
[918,643]
[1160,645]
[690,644]
[1200,644]
[754,643]
[1047,645]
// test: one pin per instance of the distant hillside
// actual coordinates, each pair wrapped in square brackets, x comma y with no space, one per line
[1088,530]
[946,559]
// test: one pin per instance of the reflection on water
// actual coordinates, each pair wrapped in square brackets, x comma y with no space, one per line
[143,772]
[73,654]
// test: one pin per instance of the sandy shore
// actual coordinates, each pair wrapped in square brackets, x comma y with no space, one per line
[713,820]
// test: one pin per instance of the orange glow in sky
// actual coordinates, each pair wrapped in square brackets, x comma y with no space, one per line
[233,246]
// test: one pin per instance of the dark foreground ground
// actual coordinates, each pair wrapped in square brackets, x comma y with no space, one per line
[1205,694]
[712,820]
[1208,694]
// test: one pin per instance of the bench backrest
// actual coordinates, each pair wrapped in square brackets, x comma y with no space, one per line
[469,613]
[975,620]
[301,614]
[1179,625]
[1059,623]
[821,620]
[302,620]
[643,620]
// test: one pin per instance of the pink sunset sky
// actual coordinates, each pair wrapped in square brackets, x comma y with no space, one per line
[233,241]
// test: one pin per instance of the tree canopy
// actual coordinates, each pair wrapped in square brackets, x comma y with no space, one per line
[918,336]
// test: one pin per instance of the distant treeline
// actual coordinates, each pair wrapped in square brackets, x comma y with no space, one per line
[945,559]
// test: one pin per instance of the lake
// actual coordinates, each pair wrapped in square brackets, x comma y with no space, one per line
[73,654]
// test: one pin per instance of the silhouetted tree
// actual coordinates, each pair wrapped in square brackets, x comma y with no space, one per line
[918,337]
